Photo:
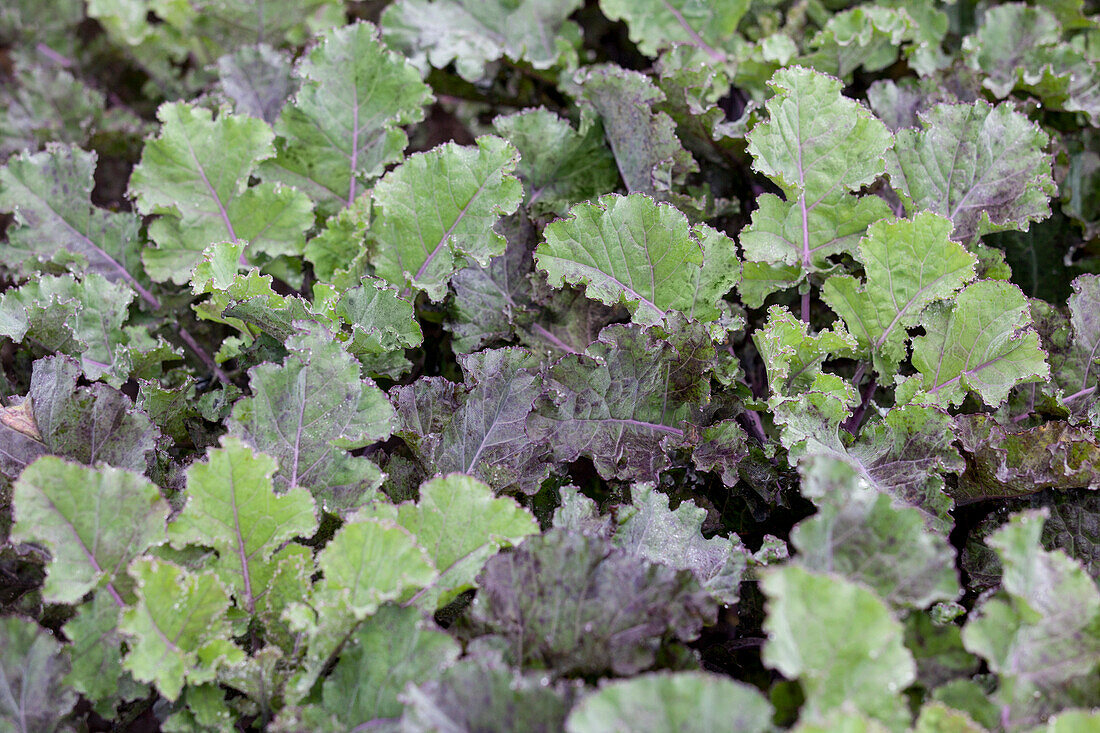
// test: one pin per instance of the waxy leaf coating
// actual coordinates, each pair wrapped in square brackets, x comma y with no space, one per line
[858,533]
[542,600]
[195,174]
[32,665]
[650,530]
[307,413]
[649,156]
[49,194]
[693,702]
[620,401]
[818,146]
[460,524]
[390,650]
[543,365]
[654,25]
[473,33]
[1041,631]
[558,164]
[985,168]
[479,691]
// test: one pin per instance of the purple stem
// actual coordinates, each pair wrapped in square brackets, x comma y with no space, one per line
[696,39]
[54,56]
[852,424]
[200,352]
[806,307]
[554,340]
[753,418]
[1079,394]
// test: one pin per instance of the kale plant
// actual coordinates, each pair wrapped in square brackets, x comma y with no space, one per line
[541,365]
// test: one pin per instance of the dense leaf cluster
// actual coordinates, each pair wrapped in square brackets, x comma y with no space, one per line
[539,365]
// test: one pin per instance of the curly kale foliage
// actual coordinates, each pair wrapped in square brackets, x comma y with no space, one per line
[542,365]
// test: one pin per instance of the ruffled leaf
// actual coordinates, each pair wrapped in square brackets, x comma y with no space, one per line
[436,211]
[344,125]
[633,251]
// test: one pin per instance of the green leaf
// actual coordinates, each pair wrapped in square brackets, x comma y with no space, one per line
[578,513]
[809,626]
[307,413]
[648,529]
[625,399]
[368,562]
[1022,47]
[32,665]
[436,211]
[867,36]
[650,158]
[343,126]
[573,604]
[195,174]
[178,631]
[634,251]
[232,508]
[1072,721]
[461,525]
[1072,528]
[984,343]
[382,325]
[903,454]
[985,168]
[92,521]
[95,648]
[258,79]
[491,302]
[198,165]
[84,319]
[371,561]
[22,23]
[508,300]
[857,533]
[1004,45]
[338,248]
[909,263]
[936,645]
[474,33]
[389,651]
[1041,632]
[938,718]
[289,579]
[793,358]
[49,193]
[45,104]
[655,25]
[816,143]
[818,146]
[694,90]
[693,702]
[481,692]
[558,165]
